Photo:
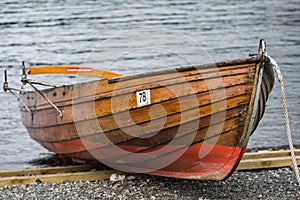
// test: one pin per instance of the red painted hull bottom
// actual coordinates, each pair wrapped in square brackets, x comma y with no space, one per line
[218,163]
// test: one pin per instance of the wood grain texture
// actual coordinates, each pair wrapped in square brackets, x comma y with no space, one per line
[206,105]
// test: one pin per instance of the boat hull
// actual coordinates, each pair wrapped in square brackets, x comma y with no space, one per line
[196,125]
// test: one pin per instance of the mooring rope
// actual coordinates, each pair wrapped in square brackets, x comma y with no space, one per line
[286,115]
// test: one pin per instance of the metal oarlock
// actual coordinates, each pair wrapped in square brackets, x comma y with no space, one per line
[25,81]
[5,84]
[6,88]
[24,74]
[30,82]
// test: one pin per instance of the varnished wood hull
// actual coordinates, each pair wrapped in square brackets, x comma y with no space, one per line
[208,109]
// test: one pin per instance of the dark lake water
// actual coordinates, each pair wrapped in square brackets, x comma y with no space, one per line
[135,36]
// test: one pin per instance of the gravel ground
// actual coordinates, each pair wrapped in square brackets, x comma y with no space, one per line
[265,184]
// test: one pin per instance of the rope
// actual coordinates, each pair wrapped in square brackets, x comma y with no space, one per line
[286,115]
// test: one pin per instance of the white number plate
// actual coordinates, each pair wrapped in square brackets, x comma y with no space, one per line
[143,98]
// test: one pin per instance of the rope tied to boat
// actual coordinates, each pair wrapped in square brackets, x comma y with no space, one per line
[286,116]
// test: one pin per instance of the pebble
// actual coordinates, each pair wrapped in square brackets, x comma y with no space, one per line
[264,184]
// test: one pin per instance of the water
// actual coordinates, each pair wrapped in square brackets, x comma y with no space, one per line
[74,32]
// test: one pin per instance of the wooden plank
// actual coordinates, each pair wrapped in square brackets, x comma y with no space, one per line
[251,160]
[65,93]
[264,163]
[59,178]
[90,127]
[89,109]
[104,89]
[269,154]
[50,170]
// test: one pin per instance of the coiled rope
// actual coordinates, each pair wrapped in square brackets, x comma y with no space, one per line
[286,115]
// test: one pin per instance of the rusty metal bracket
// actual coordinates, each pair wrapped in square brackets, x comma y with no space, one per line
[6,88]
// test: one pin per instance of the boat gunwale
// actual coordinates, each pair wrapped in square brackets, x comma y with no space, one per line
[101,96]
[249,60]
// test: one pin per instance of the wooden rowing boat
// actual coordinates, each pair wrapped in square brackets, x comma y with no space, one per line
[190,122]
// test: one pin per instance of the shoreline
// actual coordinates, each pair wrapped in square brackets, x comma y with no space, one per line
[277,183]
